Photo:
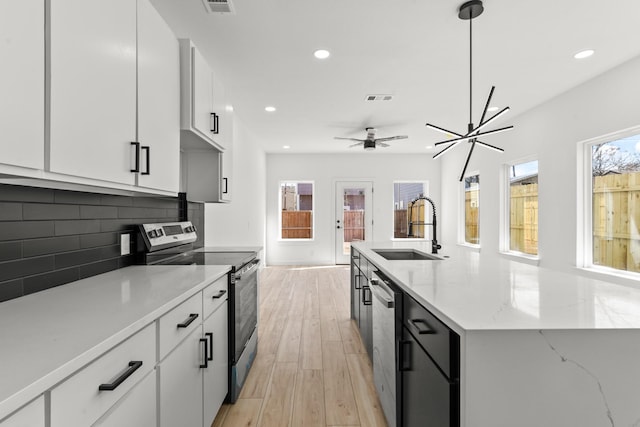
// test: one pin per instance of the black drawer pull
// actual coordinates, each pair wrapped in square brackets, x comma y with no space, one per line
[186,323]
[133,366]
[421,330]
[404,359]
[136,168]
[220,294]
[205,357]
[226,185]
[357,279]
[209,335]
[148,159]
[365,300]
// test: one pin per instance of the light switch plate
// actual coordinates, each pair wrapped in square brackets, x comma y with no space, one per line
[125,244]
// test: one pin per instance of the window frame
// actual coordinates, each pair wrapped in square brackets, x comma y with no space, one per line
[462,241]
[584,206]
[425,188]
[505,212]
[313,210]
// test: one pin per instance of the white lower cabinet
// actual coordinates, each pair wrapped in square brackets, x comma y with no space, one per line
[180,381]
[136,409]
[91,392]
[31,415]
[216,375]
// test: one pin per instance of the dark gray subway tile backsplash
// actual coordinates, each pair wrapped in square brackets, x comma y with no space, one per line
[51,237]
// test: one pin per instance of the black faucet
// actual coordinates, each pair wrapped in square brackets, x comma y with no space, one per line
[434,242]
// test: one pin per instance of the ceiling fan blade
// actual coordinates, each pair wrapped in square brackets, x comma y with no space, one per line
[492,147]
[486,106]
[391,138]
[355,145]
[442,130]
[382,144]
[348,139]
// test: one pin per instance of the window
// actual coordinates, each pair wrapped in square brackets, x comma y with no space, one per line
[523,207]
[296,203]
[615,203]
[472,209]
[408,210]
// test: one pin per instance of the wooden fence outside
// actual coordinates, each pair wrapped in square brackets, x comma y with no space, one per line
[353,225]
[616,221]
[523,223]
[297,225]
[401,221]
[471,208]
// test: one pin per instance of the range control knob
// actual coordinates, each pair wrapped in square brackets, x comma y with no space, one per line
[159,232]
[151,233]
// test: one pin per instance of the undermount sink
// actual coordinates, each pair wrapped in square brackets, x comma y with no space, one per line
[406,255]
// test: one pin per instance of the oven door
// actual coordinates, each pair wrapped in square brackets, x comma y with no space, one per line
[245,305]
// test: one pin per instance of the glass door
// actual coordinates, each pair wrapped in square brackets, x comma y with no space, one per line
[354,220]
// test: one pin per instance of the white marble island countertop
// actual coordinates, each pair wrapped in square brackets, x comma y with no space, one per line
[471,292]
[47,336]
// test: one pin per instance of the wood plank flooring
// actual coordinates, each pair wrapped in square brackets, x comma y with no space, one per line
[311,368]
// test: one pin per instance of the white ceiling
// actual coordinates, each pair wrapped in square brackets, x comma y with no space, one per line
[416,50]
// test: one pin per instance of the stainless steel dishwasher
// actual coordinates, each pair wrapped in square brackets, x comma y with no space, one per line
[387,329]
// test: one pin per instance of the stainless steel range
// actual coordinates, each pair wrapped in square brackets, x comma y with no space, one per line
[172,244]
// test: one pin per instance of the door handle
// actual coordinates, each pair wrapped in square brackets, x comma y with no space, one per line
[421,331]
[209,336]
[136,168]
[404,359]
[148,159]
[205,359]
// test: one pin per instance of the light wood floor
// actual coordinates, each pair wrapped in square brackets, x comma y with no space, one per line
[311,368]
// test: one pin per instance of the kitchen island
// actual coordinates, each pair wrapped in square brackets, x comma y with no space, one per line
[537,347]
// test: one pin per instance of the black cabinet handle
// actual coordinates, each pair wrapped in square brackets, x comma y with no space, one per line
[205,357]
[214,123]
[366,301]
[226,185]
[357,277]
[220,294]
[404,359]
[136,168]
[190,319]
[421,330]
[133,366]
[148,158]
[209,335]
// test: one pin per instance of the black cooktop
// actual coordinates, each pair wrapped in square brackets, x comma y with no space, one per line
[236,259]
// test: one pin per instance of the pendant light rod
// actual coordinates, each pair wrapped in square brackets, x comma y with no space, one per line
[470,73]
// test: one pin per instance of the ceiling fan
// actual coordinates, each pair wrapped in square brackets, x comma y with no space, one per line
[370,142]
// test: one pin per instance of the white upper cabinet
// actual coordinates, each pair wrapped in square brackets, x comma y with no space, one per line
[158,100]
[93,88]
[202,105]
[22,83]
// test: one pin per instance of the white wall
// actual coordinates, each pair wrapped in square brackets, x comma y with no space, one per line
[241,222]
[325,169]
[549,132]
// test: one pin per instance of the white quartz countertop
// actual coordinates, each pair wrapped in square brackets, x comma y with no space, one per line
[47,336]
[471,292]
[230,249]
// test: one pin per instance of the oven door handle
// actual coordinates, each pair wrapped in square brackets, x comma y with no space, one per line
[248,270]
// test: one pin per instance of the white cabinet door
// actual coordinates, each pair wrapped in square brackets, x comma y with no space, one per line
[201,93]
[180,381]
[216,380]
[32,415]
[137,408]
[22,83]
[93,88]
[158,100]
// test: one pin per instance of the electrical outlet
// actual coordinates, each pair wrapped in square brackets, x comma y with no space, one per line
[125,244]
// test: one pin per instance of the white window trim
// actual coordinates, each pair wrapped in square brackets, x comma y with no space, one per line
[505,215]
[584,220]
[461,214]
[313,210]
[425,184]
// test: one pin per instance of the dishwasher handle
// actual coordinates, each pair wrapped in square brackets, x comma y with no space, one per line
[380,294]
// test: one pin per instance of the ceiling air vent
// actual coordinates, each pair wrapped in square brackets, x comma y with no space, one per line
[379,98]
[219,6]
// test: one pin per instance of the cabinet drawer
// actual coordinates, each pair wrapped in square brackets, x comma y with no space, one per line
[177,324]
[435,337]
[31,415]
[137,408]
[214,295]
[79,402]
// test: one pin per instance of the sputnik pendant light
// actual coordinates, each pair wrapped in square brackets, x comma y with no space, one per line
[468,11]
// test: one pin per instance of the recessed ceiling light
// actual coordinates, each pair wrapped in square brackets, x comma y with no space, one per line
[584,54]
[492,109]
[429,147]
[229,108]
[321,54]
[270,109]
[286,147]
